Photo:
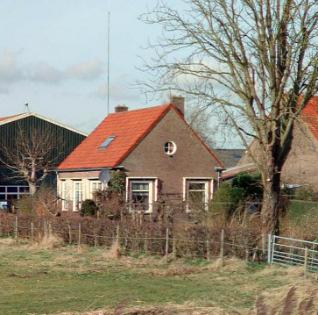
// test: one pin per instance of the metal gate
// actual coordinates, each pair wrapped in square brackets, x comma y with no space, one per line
[293,252]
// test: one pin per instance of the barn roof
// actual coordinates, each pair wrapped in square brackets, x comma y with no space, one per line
[9,119]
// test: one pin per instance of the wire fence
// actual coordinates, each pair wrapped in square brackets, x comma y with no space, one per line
[184,239]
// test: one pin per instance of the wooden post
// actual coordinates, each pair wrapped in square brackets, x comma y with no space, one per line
[16,227]
[263,246]
[222,247]
[305,261]
[32,231]
[45,232]
[146,243]
[247,253]
[174,247]
[50,229]
[117,233]
[208,256]
[167,242]
[79,236]
[95,240]
[69,233]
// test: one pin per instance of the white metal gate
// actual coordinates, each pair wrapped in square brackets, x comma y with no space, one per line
[293,252]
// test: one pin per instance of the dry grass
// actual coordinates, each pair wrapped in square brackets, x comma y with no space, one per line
[42,281]
[48,242]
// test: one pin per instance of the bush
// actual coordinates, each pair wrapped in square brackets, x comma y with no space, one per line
[226,199]
[89,208]
[42,203]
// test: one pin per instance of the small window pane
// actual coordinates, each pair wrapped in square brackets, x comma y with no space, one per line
[196,186]
[140,186]
[2,189]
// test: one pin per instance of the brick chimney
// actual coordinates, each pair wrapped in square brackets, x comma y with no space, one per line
[121,108]
[178,101]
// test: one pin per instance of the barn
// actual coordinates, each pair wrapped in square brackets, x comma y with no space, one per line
[26,139]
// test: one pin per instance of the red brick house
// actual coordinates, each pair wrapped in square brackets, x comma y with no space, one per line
[300,166]
[160,153]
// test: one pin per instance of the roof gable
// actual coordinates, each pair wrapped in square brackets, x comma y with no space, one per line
[127,129]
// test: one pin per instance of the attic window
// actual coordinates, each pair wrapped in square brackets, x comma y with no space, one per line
[107,142]
[170,148]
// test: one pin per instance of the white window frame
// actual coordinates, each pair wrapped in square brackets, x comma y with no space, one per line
[93,182]
[207,181]
[153,191]
[64,194]
[76,207]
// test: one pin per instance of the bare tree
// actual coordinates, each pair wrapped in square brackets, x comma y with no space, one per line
[255,60]
[31,158]
[200,120]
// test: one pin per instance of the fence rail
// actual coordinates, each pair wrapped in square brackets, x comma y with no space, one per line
[190,240]
[293,252]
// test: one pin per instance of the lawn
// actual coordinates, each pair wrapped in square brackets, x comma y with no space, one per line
[39,281]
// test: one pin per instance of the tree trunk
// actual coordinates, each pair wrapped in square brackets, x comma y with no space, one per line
[270,205]
[32,188]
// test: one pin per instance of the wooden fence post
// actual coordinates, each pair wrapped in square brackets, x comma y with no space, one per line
[146,243]
[32,231]
[45,232]
[174,247]
[305,261]
[16,227]
[79,237]
[208,256]
[222,247]
[69,233]
[50,229]
[167,242]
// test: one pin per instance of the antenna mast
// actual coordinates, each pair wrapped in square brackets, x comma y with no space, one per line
[26,108]
[108,59]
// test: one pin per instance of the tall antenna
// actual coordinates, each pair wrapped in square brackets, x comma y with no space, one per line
[108,60]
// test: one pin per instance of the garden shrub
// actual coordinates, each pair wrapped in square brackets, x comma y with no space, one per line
[89,208]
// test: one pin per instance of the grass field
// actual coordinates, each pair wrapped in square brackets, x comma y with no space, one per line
[42,281]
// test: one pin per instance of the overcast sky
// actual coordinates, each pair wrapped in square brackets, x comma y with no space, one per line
[53,55]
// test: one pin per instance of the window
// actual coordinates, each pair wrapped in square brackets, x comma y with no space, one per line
[77,195]
[96,185]
[197,193]
[141,195]
[64,195]
[107,142]
[170,148]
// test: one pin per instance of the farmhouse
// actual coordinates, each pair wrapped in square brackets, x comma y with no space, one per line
[300,166]
[161,155]
[16,133]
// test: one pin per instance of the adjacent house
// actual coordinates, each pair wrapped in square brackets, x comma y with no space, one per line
[161,155]
[19,128]
[300,166]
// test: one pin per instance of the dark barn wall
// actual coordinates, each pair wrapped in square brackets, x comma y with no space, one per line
[64,141]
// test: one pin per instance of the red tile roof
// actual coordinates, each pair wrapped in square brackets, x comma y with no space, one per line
[310,115]
[129,129]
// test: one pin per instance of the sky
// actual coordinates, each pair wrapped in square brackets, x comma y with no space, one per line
[53,56]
